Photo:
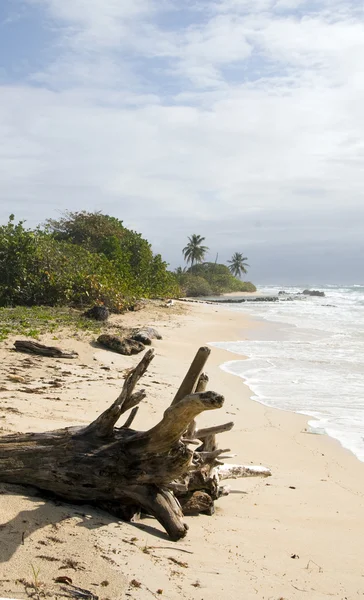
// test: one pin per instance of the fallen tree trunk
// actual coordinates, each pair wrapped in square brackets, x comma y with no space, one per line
[123,470]
[36,348]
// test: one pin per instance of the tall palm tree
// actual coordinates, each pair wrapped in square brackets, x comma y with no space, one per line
[194,252]
[237,264]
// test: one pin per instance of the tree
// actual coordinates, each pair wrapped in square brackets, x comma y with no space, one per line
[194,252]
[143,273]
[237,264]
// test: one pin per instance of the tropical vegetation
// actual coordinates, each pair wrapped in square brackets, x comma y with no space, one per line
[86,258]
[194,252]
[238,264]
[80,259]
[207,278]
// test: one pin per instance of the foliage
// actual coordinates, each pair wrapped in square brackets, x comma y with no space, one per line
[86,229]
[194,286]
[143,273]
[194,252]
[87,258]
[217,277]
[238,264]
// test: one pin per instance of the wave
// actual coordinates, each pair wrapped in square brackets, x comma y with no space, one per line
[311,362]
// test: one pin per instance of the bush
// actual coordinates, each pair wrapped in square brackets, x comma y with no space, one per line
[194,286]
[218,278]
[143,273]
[247,286]
[47,268]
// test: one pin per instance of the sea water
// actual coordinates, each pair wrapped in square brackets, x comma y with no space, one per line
[310,360]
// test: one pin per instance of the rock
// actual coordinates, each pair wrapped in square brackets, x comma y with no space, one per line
[125,346]
[152,333]
[142,337]
[145,335]
[99,313]
[313,293]
[137,306]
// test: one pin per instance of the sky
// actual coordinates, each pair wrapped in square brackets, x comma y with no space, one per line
[239,120]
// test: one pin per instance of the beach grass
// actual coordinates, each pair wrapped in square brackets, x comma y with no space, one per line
[37,320]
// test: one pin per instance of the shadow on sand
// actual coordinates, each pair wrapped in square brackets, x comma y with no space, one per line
[51,512]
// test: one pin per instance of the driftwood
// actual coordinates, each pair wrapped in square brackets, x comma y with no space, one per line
[36,348]
[126,471]
[126,346]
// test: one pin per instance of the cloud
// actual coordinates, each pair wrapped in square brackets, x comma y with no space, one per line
[239,120]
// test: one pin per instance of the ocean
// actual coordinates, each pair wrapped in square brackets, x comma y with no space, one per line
[310,360]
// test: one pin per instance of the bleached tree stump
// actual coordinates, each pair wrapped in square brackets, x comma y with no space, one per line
[123,470]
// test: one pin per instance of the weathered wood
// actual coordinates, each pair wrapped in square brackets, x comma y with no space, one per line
[208,436]
[237,471]
[196,503]
[35,348]
[203,433]
[130,467]
[188,385]
[103,426]
[131,417]
[200,387]
[126,471]
[175,420]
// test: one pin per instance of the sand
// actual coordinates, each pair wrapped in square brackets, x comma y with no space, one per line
[297,534]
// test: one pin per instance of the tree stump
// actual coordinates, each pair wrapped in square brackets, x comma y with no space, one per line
[122,470]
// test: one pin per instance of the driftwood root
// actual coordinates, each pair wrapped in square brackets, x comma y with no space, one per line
[126,471]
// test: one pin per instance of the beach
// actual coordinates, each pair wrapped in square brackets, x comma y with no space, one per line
[297,534]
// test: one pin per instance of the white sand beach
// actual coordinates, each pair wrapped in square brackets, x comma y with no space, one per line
[297,534]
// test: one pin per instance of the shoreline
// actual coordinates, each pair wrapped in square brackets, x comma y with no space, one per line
[312,504]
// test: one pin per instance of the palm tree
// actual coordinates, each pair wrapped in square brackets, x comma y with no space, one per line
[194,252]
[237,264]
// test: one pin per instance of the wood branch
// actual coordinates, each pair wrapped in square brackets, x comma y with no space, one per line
[210,457]
[208,436]
[202,382]
[163,506]
[104,424]
[168,432]
[202,433]
[209,443]
[35,348]
[237,471]
[200,387]
[188,385]
[131,417]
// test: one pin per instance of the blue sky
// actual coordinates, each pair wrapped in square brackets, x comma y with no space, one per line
[238,120]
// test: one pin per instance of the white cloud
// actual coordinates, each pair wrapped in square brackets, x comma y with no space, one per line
[252,109]
[93,22]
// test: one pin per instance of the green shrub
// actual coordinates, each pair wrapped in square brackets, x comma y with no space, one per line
[209,279]
[218,277]
[50,268]
[194,286]
[247,286]
[143,273]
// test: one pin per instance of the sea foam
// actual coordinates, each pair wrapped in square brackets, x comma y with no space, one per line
[311,361]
